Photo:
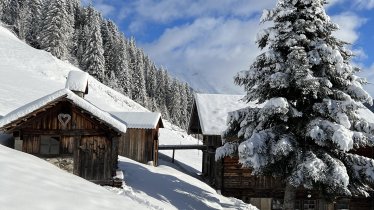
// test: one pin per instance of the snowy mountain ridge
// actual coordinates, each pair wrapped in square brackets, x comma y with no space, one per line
[27,74]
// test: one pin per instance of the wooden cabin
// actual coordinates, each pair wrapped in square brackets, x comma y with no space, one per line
[208,121]
[140,142]
[63,127]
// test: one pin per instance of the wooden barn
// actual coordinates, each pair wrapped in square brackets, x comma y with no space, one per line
[65,128]
[208,121]
[140,142]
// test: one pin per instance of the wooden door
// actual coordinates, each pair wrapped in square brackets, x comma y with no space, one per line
[94,160]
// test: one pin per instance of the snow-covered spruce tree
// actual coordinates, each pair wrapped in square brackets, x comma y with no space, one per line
[93,54]
[30,21]
[308,127]
[56,33]
[109,34]
[121,69]
[138,81]
[151,80]
[2,5]
[174,104]
[11,10]
[184,105]
[161,93]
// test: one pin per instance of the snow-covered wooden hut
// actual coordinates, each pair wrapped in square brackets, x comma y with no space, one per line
[140,142]
[208,121]
[68,130]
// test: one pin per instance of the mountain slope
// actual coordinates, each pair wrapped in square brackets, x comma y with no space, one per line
[27,74]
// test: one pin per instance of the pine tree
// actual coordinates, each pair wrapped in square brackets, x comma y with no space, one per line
[56,29]
[175,105]
[161,93]
[151,80]
[167,89]
[2,5]
[111,38]
[184,105]
[138,92]
[121,69]
[93,54]
[309,120]
[83,35]
[30,21]
[11,11]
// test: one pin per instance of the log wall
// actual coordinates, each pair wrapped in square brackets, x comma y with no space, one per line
[138,144]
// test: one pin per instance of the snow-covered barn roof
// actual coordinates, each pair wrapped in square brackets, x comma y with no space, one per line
[60,94]
[77,81]
[142,120]
[213,109]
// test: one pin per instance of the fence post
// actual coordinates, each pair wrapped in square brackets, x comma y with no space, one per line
[172,160]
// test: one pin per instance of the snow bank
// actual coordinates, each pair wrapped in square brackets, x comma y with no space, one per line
[28,182]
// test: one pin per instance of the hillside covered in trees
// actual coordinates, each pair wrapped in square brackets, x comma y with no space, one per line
[82,36]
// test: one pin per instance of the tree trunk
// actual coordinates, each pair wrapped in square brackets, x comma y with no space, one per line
[289,197]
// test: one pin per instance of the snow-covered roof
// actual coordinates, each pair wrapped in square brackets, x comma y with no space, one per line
[77,81]
[142,120]
[214,108]
[63,93]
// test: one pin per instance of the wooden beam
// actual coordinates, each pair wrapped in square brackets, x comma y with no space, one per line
[182,147]
[75,132]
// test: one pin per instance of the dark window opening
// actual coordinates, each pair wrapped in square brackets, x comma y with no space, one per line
[50,145]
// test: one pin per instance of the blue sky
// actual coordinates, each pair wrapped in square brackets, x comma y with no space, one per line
[206,42]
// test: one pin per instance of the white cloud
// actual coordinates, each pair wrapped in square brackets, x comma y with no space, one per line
[167,10]
[365,4]
[208,52]
[349,24]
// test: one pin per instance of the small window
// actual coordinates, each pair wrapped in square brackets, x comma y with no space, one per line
[342,204]
[309,204]
[49,145]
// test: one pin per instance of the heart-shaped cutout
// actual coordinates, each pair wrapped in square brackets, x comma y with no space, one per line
[64,119]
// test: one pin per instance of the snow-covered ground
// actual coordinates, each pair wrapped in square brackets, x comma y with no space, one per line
[27,182]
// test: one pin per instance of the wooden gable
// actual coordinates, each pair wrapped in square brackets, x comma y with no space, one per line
[194,125]
[50,119]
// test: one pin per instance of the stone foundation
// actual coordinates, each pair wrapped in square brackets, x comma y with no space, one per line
[65,163]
